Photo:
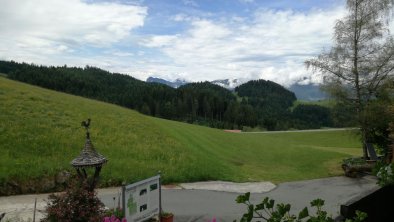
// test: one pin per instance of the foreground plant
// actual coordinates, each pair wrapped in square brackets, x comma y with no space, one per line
[76,204]
[268,211]
[113,218]
[385,175]
[114,215]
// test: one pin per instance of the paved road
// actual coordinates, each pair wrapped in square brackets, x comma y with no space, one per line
[204,205]
[300,131]
[197,205]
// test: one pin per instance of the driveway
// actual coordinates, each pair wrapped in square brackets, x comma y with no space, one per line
[191,202]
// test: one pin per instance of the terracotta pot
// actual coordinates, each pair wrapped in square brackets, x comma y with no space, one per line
[167,218]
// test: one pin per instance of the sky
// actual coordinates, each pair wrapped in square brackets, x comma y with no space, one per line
[195,40]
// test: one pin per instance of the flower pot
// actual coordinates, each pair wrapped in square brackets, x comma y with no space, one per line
[167,218]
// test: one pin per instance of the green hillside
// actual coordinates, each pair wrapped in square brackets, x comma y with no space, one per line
[40,134]
[259,103]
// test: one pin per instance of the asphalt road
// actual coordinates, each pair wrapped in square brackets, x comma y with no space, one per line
[206,205]
[300,131]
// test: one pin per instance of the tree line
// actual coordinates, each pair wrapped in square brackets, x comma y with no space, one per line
[257,103]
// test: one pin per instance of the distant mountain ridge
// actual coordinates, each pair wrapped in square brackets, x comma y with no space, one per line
[174,84]
[225,83]
[306,92]
[230,84]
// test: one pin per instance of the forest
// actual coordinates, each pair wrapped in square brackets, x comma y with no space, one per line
[256,104]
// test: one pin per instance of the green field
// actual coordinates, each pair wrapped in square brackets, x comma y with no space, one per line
[40,134]
[325,103]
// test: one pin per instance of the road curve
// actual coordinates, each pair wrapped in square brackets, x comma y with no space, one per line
[301,131]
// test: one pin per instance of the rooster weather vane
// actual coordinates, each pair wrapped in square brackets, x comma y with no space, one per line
[86,124]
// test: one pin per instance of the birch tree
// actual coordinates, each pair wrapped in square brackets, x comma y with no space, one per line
[362,58]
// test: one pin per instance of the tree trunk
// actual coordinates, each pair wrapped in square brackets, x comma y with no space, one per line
[356,74]
[364,141]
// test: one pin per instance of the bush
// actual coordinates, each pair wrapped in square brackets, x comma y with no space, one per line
[113,218]
[76,204]
[114,215]
[268,211]
[385,175]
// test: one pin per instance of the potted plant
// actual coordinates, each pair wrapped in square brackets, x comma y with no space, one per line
[356,165]
[166,217]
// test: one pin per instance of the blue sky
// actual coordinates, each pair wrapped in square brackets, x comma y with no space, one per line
[195,40]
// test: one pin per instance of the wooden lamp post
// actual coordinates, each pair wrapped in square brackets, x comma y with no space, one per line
[88,158]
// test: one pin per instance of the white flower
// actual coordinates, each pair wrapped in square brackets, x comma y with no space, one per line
[389,170]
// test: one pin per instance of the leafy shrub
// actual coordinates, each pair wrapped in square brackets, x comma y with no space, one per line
[76,204]
[354,161]
[114,215]
[113,218]
[268,211]
[385,175]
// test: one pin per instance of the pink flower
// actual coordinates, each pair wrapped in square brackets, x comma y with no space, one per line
[124,220]
[106,219]
[113,218]
[214,219]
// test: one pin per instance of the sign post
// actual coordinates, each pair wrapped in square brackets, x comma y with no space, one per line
[142,200]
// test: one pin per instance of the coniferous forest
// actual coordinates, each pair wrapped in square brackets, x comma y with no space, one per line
[257,103]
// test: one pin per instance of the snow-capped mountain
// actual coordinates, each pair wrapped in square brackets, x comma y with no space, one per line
[230,83]
[225,83]
[307,92]
[173,84]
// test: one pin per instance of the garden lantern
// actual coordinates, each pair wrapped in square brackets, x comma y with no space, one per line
[88,158]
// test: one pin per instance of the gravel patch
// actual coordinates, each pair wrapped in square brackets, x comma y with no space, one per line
[253,187]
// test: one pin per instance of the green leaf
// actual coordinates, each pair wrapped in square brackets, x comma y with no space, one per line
[281,210]
[260,206]
[287,207]
[317,203]
[360,216]
[247,196]
[270,204]
[243,198]
[250,213]
[303,214]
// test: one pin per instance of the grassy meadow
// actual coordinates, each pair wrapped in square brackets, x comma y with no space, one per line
[325,103]
[40,134]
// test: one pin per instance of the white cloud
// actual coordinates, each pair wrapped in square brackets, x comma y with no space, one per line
[190,3]
[32,30]
[269,44]
[272,45]
[181,18]
[121,54]
[159,41]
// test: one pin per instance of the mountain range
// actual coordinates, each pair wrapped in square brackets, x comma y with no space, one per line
[225,83]
[174,84]
[306,92]
[256,103]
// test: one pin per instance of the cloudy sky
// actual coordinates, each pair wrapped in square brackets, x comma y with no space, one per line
[194,40]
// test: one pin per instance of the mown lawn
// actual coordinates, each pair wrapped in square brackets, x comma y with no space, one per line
[40,134]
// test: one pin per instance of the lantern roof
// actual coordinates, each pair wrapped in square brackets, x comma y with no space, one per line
[88,157]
